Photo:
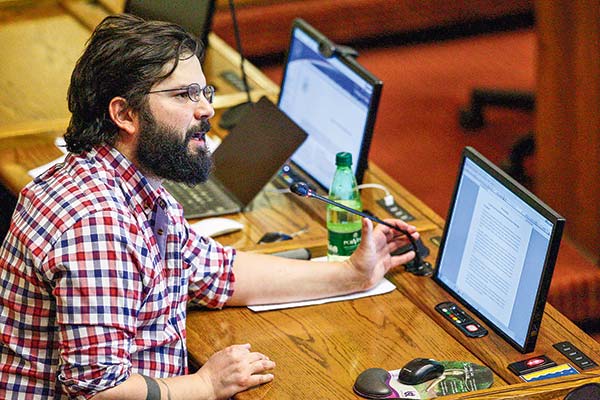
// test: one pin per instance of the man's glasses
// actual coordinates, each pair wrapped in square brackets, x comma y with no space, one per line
[194,91]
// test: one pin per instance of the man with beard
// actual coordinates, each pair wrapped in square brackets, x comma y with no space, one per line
[99,263]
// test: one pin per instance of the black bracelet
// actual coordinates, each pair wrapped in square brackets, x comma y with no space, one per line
[152,389]
[168,388]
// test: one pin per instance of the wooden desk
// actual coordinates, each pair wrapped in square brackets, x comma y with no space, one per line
[320,350]
[41,43]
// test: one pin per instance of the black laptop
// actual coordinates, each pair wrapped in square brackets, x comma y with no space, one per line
[247,159]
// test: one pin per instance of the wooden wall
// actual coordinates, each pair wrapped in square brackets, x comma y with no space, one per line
[568,116]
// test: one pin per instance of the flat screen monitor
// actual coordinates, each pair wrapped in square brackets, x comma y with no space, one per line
[194,16]
[332,98]
[498,250]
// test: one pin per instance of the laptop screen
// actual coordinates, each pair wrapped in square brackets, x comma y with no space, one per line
[498,251]
[332,98]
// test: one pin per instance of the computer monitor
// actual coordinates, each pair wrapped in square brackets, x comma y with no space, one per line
[195,16]
[332,98]
[498,250]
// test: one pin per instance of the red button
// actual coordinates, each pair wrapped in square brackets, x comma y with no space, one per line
[534,361]
[472,328]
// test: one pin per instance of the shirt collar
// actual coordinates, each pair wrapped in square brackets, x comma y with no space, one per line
[136,187]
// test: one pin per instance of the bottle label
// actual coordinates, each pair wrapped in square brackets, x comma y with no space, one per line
[343,243]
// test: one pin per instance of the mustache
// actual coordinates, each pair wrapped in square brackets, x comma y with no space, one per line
[202,128]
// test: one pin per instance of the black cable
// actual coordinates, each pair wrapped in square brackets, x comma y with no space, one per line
[238,44]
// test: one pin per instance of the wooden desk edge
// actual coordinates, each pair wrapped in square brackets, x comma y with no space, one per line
[33,128]
[552,389]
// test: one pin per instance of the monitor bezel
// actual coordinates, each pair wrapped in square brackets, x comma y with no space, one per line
[549,262]
[148,10]
[326,46]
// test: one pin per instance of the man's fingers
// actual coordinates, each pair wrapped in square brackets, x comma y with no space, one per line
[367,228]
[252,357]
[402,258]
[261,366]
[259,379]
[259,362]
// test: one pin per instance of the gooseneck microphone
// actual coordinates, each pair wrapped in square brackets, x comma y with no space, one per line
[417,266]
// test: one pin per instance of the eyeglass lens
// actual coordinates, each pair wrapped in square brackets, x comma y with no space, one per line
[194,91]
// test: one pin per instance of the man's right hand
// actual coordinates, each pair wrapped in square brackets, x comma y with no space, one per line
[235,369]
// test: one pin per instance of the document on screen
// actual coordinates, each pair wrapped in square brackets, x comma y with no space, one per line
[494,255]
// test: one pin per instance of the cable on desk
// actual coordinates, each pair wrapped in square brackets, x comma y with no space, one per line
[388,199]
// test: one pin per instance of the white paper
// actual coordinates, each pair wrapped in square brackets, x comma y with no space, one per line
[216,226]
[61,144]
[382,287]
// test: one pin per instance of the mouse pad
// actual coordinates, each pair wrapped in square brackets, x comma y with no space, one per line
[458,377]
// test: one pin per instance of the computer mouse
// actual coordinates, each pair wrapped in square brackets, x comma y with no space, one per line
[271,237]
[420,370]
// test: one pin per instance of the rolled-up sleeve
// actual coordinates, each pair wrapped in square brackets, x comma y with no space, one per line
[210,264]
[97,280]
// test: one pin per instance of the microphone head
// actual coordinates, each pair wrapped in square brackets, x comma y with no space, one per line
[300,188]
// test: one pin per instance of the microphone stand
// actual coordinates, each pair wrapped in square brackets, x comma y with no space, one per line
[417,266]
[231,116]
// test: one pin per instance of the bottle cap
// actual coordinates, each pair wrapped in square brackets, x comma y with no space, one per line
[343,159]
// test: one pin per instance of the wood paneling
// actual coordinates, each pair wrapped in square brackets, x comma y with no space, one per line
[568,116]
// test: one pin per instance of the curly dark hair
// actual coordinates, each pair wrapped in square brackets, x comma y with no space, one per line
[125,56]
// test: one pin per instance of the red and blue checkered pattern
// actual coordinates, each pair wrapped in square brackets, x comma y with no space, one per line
[85,297]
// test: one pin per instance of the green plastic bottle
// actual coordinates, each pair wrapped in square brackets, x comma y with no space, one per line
[343,228]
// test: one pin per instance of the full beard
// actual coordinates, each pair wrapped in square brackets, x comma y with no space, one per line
[162,151]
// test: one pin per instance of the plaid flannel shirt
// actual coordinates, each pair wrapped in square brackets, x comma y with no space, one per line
[85,297]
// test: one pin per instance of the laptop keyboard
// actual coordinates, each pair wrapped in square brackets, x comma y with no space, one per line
[203,200]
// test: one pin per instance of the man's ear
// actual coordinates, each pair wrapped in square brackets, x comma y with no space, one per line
[122,115]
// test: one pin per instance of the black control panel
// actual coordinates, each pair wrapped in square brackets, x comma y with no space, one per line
[396,211]
[575,355]
[459,318]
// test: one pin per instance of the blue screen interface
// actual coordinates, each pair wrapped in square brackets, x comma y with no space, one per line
[329,101]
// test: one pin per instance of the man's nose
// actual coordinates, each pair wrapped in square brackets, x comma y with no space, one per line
[204,110]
